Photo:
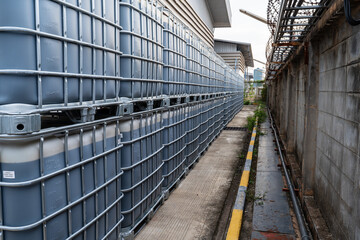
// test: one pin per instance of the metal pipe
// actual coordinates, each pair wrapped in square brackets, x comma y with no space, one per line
[298,213]
[291,31]
[257,17]
[295,25]
[300,17]
[259,61]
[305,7]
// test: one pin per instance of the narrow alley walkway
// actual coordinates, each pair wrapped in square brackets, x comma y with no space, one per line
[271,216]
[193,209]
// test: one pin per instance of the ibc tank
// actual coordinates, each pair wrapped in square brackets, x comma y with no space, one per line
[174,141]
[212,76]
[58,52]
[219,122]
[205,68]
[64,185]
[203,134]
[141,43]
[141,159]
[193,63]
[192,137]
[211,121]
[174,56]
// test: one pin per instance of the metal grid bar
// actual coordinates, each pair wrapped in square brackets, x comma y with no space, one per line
[290,21]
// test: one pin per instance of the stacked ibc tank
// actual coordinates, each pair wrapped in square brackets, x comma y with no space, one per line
[104,107]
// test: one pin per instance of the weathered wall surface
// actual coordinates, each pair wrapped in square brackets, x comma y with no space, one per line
[316,103]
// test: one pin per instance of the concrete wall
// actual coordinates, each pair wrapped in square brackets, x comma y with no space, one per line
[316,104]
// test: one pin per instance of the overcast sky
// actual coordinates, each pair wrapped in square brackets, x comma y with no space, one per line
[247,29]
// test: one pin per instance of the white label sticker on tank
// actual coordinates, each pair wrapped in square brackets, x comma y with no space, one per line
[9,174]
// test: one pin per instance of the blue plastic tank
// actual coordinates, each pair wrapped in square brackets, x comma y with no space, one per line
[55,54]
[174,142]
[174,56]
[141,159]
[142,45]
[81,201]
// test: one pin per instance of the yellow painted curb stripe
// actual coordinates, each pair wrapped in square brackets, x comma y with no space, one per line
[249,155]
[245,179]
[234,229]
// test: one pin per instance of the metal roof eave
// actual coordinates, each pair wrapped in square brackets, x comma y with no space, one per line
[245,49]
[220,11]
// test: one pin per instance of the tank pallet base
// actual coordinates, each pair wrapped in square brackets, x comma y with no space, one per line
[130,235]
[19,124]
[202,153]
[179,100]
[175,185]
[194,98]
[193,164]
[186,172]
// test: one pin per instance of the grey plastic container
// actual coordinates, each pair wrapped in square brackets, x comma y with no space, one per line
[174,142]
[174,56]
[233,104]
[58,53]
[141,159]
[227,107]
[219,121]
[205,68]
[64,184]
[221,74]
[203,134]
[142,45]
[212,75]
[212,120]
[193,63]
[192,137]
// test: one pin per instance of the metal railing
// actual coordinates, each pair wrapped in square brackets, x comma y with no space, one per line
[289,22]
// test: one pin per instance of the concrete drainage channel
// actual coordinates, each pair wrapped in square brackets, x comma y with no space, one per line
[297,207]
[258,221]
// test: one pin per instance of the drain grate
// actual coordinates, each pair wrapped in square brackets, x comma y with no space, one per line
[236,128]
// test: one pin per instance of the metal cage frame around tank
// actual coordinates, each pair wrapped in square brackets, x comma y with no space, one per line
[90,161]
[193,124]
[144,134]
[174,136]
[46,36]
[197,111]
[145,36]
[174,55]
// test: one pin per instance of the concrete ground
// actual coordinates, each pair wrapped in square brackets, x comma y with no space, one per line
[271,215]
[194,208]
